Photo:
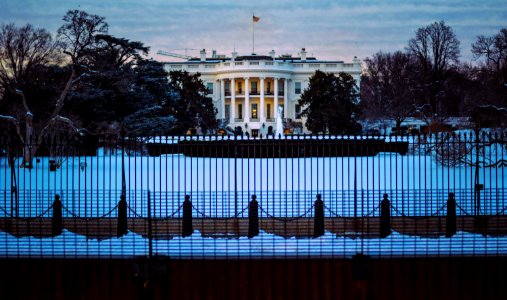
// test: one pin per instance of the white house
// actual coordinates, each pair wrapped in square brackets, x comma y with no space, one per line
[247,90]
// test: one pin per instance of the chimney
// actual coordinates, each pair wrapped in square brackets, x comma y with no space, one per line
[303,54]
[214,53]
[272,54]
[234,55]
[203,55]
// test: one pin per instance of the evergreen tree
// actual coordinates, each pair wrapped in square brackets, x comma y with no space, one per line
[330,103]
[190,105]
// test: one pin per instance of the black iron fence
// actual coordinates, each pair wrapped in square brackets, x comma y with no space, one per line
[233,196]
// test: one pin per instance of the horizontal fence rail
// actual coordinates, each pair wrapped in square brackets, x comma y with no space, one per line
[237,196]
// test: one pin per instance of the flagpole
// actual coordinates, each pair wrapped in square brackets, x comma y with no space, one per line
[253,34]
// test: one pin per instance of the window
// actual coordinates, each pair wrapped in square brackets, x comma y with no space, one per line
[240,91]
[297,87]
[209,86]
[298,111]
[227,111]
[268,111]
[227,87]
[280,88]
[269,87]
[254,110]
[240,111]
[254,87]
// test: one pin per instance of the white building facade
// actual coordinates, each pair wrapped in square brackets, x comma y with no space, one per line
[249,91]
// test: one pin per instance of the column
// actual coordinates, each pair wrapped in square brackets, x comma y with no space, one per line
[233,101]
[247,100]
[285,97]
[275,110]
[262,117]
[222,97]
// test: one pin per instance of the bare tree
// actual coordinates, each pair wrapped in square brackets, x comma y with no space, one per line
[24,49]
[436,50]
[494,50]
[386,86]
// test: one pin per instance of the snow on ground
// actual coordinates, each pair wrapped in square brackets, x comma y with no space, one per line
[265,245]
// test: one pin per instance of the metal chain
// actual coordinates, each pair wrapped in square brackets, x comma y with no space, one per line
[169,216]
[372,212]
[438,211]
[397,211]
[92,218]
[199,212]
[287,220]
[30,218]
[332,212]
[6,212]
[501,212]
[134,212]
[241,212]
[461,208]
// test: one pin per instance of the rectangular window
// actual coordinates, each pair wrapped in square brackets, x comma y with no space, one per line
[227,88]
[268,111]
[209,86]
[298,111]
[227,111]
[254,87]
[240,111]
[269,88]
[297,88]
[240,91]
[254,110]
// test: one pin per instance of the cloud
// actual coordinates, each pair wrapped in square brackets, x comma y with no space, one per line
[329,29]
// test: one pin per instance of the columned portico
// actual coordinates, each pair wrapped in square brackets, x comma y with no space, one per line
[249,90]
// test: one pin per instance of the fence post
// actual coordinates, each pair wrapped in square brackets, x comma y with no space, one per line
[253,218]
[56,224]
[385,217]
[187,228]
[450,220]
[318,221]
[121,228]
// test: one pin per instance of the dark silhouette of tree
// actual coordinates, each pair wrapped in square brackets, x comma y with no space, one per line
[111,92]
[386,87]
[190,106]
[436,49]
[494,70]
[330,103]
[25,49]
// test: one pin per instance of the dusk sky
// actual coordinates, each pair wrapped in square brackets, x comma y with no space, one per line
[331,30]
